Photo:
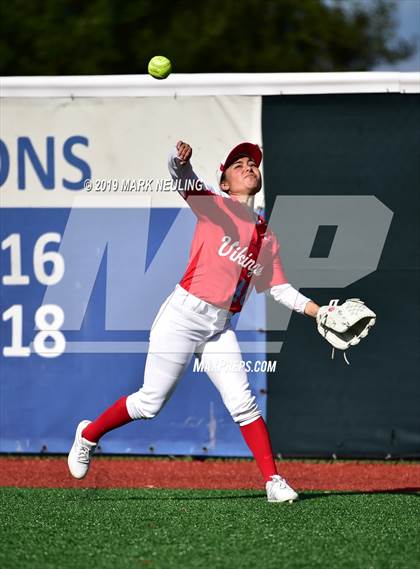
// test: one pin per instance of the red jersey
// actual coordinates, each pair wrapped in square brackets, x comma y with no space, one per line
[232,250]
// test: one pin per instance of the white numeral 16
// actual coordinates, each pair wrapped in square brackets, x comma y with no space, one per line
[40,258]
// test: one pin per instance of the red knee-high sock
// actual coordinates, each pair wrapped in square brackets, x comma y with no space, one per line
[115,416]
[257,438]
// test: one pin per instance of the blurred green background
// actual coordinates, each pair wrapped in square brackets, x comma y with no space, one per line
[75,37]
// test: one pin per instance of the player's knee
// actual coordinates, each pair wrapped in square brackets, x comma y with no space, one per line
[141,406]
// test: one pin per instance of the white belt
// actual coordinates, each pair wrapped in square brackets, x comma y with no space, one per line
[201,306]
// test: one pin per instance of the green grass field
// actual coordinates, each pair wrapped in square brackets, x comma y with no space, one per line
[165,529]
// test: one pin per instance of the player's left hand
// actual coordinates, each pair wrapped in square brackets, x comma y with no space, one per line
[346,324]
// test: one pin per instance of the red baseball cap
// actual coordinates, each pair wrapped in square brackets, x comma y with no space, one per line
[242,149]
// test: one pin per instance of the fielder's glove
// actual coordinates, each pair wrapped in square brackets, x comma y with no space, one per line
[346,324]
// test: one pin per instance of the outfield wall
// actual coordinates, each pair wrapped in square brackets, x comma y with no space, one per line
[341,183]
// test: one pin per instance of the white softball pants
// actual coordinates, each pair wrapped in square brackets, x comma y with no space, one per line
[186,325]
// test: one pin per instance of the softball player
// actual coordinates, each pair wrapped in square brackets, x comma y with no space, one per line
[232,252]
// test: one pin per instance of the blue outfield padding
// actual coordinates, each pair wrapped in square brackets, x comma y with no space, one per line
[119,266]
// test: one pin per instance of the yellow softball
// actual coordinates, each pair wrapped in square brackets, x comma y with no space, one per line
[159,67]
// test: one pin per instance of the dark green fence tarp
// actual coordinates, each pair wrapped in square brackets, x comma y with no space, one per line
[351,145]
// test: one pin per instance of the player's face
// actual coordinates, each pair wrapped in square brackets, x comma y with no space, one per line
[242,178]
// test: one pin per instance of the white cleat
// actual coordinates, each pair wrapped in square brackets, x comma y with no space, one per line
[81,453]
[279,491]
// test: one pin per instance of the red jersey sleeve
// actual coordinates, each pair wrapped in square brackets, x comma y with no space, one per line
[198,195]
[273,273]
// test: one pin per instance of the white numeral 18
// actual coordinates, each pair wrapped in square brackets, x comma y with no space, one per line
[48,328]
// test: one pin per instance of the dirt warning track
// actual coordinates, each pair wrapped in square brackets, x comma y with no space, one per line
[224,474]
